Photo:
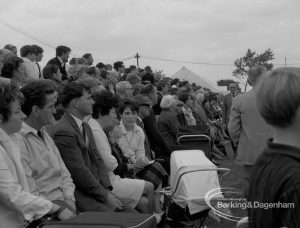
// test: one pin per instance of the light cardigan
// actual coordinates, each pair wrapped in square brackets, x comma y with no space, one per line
[16,203]
[132,145]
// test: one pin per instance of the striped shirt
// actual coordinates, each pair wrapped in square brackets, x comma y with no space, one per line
[274,191]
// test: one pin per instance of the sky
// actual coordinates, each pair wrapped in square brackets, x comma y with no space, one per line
[210,31]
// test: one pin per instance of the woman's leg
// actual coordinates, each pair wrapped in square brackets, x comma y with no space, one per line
[148,193]
[143,205]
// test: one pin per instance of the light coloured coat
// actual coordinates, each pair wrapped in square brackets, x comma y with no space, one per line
[247,128]
[16,203]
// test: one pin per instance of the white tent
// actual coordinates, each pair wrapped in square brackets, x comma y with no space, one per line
[186,74]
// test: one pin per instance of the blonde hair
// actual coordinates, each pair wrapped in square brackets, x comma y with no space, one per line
[278,96]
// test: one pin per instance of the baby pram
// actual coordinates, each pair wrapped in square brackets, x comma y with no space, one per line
[192,176]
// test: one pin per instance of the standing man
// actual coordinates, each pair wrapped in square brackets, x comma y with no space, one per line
[247,128]
[38,58]
[227,101]
[28,53]
[62,57]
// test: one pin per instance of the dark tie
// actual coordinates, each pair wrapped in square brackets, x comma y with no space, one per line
[85,136]
[40,74]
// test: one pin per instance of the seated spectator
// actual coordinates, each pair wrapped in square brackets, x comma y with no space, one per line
[89,59]
[124,90]
[14,70]
[132,146]
[133,78]
[147,78]
[167,121]
[11,48]
[52,72]
[132,192]
[276,174]
[93,83]
[75,141]
[76,72]
[93,72]
[54,181]
[28,53]
[17,204]
[157,142]
[188,114]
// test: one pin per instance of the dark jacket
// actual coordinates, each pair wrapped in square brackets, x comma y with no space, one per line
[167,124]
[83,162]
[157,142]
[62,69]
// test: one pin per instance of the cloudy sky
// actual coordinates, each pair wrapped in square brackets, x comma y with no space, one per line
[212,31]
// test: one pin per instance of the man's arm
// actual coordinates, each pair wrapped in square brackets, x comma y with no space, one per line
[83,178]
[158,144]
[224,110]
[235,125]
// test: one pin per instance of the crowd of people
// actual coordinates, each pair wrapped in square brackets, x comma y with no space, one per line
[77,137]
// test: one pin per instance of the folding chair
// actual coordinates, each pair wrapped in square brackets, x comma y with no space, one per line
[184,198]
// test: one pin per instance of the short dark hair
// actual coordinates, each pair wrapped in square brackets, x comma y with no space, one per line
[91,70]
[9,47]
[100,65]
[38,49]
[49,70]
[128,103]
[11,65]
[174,81]
[71,91]
[147,89]
[118,65]
[27,50]
[87,55]
[104,101]
[8,94]
[183,97]
[35,94]
[161,84]
[61,50]
[148,77]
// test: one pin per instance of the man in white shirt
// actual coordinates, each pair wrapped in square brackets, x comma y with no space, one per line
[45,170]
[28,54]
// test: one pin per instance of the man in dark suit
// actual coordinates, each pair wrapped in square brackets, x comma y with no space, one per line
[76,144]
[62,57]
[227,101]
[157,143]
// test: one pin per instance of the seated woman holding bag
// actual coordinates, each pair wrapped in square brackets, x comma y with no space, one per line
[17,205]
[132,146]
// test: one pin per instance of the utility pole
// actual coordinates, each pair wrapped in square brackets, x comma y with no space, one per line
[285,62]
[137,59]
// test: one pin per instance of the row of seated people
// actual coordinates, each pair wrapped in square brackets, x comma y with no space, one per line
[76,165]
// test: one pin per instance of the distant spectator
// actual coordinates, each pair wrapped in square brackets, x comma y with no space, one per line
[148,69]
[124,90]
[148,78]
[38,57]
[28,53]
[133,78]
[101,66]
[119,68]
[11,48]
[62,57]
[89,58]
[109,67]
[76,72]
[52,72]
[14,69]
[93,72]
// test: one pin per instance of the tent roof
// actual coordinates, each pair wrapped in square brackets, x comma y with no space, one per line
[186,74]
